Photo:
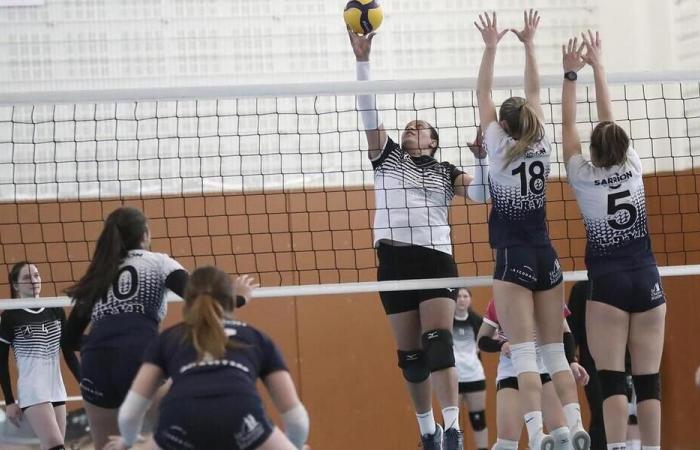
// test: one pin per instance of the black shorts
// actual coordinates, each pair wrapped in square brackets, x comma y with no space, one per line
[472,386]
[53,404]
[216,422]
[633,291]
[106,374]
[512,382]
[413,262]
[534,268]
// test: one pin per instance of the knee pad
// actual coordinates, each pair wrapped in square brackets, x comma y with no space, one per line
[413,366]
[524,357]
[647,387]
[478,420]
[437,345]
[58,447]
[554,358]
[612,383]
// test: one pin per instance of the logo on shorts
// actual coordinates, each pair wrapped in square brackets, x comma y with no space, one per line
[555,273]
[656,293]
[251,431]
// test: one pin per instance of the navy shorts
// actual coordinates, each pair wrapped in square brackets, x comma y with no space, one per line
[409,263]
[106,374]
[534,268]
[633,291]
[217,422]
[467,387]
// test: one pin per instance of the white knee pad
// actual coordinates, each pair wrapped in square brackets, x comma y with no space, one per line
[524,357]
[554,358]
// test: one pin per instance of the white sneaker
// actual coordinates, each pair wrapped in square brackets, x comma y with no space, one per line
[542,442]
[580,440]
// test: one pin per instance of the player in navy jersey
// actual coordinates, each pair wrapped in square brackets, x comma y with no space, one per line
[413,192]
[214,362]
[122,298]
[627,306]
[34,335]
[527,283]
[470,371]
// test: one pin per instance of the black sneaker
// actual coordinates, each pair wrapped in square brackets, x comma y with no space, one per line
[453,440]
[432,441]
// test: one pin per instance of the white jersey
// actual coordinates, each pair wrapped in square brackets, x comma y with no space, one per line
[35,337]
[517,188]
[469,367]
[614,211]
[412,196]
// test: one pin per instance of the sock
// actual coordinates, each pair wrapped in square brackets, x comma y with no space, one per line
[634,444]
[533,422]
[651,447]
[505,444]
[562,441]
[618,446]
[572,411]
[426,423]
[450,416]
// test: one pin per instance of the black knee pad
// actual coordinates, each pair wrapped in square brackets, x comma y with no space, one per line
[647,387]
[413,365]
[437,345]
[612,383]
[478,420]
[58,447]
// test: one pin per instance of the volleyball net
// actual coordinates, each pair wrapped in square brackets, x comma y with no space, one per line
[275,181]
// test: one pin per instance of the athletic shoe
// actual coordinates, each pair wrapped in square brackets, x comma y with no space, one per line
[542,442]
[580,440]
[453,440]
[432,441]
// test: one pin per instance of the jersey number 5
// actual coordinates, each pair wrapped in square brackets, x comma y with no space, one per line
[536,183]
[614,208]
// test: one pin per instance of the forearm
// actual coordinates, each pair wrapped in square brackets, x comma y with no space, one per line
[366,103]
[602,93]
[484,83]
[532,75]
[131,415]
[478,189]
[72,362]
[5,383]
[568,103]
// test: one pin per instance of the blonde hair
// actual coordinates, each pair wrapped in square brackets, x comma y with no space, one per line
[524,125]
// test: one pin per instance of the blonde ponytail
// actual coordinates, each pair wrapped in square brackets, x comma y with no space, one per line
[524,125]
[204,318]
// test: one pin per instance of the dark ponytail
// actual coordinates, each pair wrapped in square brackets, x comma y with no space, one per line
[13,276]
[209,297]
[524,125]
[123,230]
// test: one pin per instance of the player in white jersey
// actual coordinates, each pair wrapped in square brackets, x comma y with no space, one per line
[527,285]
[627,307]
[35,334]
[470,371]
[413,192]
[122,298]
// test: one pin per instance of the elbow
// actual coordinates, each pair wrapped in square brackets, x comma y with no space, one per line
[296,425]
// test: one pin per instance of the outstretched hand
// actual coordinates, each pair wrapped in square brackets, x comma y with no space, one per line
[361,45]
[572,56]
[594,48]
[477,147]
[527,34]
[244,286]
[489,29]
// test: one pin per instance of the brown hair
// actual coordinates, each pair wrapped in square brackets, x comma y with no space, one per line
[523,125]
[209,296]
[13,276]
[609,144]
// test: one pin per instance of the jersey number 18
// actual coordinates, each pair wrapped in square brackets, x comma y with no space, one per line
[536,183]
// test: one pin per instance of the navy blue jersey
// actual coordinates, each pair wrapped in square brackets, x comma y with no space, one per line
[614,211]
[517,188]
[235,373]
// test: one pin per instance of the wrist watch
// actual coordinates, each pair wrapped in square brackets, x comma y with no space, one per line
[571,75]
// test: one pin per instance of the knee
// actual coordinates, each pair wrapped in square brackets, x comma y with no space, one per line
[413,366]
[439,353]
[478,420]
[554,358]
[647,387]
[612,382]
[524,357]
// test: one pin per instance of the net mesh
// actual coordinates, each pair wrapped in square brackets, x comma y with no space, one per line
[281,187]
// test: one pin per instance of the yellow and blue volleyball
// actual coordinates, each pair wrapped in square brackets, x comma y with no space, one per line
[363,16]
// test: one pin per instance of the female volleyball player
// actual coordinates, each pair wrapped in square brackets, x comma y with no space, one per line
[491,338]
[412,237]
[214,363]
[627,307]
[470,372]
[527,278]
[35,334]
[122,298]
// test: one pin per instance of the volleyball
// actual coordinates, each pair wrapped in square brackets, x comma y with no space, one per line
[363,16]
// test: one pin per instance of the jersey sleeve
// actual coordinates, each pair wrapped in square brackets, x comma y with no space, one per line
[495,139]
[389,148]
[6,327]
[453,171]
[169,265]
[576,167]
[634,161]
[272,359]
[490,316]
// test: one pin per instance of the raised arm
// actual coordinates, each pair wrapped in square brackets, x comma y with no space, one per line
[475,187]
[488,27]
[572,62]
[532,75]
[366,104]
[594,58]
